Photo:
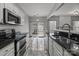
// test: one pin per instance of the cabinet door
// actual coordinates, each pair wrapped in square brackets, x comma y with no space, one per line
[1,12]
[55,49]
[58,50]
[50,47]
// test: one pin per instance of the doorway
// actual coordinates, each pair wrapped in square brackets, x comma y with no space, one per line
[37,28]
[39,38]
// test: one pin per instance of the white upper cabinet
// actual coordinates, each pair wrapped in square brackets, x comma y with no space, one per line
[1,12]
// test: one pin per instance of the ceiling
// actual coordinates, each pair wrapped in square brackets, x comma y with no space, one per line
[68,9]
[37,9]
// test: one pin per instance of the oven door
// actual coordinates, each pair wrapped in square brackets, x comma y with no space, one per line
[22,51]
[21,46]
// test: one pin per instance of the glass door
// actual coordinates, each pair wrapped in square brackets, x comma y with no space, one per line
[37,28]
[40,29]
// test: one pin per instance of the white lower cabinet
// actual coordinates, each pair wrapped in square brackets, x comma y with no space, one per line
[58,50]
[8,50]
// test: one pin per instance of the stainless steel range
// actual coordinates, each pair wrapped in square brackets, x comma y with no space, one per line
[20,44]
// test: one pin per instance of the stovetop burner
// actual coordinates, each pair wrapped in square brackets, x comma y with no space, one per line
[6,37]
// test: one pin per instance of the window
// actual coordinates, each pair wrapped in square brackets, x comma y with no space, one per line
[41,29]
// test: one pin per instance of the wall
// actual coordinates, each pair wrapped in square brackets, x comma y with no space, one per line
[55,18]
[61,20]
[64,20]
[25,27]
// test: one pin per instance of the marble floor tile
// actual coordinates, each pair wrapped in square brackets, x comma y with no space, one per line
[37,47]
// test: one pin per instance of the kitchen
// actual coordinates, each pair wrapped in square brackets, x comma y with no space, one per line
[39,29]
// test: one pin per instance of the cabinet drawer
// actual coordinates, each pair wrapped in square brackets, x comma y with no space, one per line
[6,49]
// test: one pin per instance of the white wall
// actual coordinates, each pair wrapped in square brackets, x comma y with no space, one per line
[64,20]
[25,27]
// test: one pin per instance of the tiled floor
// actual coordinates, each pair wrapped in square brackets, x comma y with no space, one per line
[37,47]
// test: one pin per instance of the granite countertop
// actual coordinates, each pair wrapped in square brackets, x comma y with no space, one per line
[72,31]
[20,36]
[65,46]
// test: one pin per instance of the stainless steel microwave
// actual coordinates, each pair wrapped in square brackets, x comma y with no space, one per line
[10,18]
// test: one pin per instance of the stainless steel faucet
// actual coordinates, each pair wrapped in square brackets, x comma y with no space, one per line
[69,27]
[69,33]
